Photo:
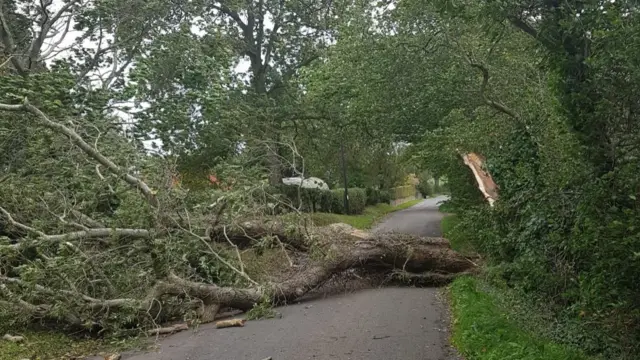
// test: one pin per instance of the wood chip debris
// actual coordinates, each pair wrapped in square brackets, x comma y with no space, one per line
[169,329]
[230,323]
[12,338]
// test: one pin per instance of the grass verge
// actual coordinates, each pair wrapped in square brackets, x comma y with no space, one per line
[53,345]
[491,323]
[364,221]
[484,331]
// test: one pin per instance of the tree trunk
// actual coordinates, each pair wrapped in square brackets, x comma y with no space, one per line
[396,258]
[402,258]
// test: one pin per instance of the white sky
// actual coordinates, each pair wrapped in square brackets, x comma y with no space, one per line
[61,47]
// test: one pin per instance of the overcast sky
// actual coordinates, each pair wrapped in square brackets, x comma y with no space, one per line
[62,44]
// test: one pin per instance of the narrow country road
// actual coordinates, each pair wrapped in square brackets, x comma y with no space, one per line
[421,219]
[373,324]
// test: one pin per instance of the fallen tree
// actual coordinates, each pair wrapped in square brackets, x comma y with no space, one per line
[405,259]
[62,261]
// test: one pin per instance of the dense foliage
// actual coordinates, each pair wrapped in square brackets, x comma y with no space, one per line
[546,92]
[169,117]
[130,129]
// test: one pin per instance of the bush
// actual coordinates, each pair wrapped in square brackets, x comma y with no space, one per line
[385,196]
[376,196]
[332,201]
[401,192]
[357,200]
[310,198]
[426,188]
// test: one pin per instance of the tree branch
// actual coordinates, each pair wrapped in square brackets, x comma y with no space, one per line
[36,44]
[260,29]
[529,30]
[117,71]
[75,235]
[211,251]
[86,220]
[86,148]
[483,92]
[55,45]
[232,14]
[89,234]
[63,10]
[271,43]
[100,51]
[522,25]
[289,74]
[18,225]
[98,233]
[8,40]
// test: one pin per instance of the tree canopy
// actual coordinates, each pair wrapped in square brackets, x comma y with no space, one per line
[131,129]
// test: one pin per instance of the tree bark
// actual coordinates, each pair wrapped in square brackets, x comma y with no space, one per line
[399,258]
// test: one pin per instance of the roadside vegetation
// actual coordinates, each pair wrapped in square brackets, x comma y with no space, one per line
[41,345]
[164,136]
[486,329]
[491,321]
[369,217]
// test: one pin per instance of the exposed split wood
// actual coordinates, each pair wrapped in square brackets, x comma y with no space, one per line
[483,179]
[230,323]
[168,329]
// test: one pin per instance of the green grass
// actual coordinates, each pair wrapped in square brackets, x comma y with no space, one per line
[484,331]
[52,345]
[364,221]
[492,323]
[448,224]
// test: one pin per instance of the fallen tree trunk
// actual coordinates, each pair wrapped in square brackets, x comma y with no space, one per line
[401,259]
[247,233]
[415,260]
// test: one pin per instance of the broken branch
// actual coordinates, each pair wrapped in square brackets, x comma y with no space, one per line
[86,148]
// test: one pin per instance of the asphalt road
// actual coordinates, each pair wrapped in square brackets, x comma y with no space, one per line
[372,324]
[421,219]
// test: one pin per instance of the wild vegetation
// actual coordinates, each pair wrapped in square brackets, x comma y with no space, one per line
[155,135]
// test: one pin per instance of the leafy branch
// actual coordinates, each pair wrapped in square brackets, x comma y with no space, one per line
[91,151]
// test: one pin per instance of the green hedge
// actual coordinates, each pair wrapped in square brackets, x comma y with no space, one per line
[426,188]
[401,192]
[333,201]
[377,196]
[311,198]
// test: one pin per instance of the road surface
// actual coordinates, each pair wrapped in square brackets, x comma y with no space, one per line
[372,324]
[421,219]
